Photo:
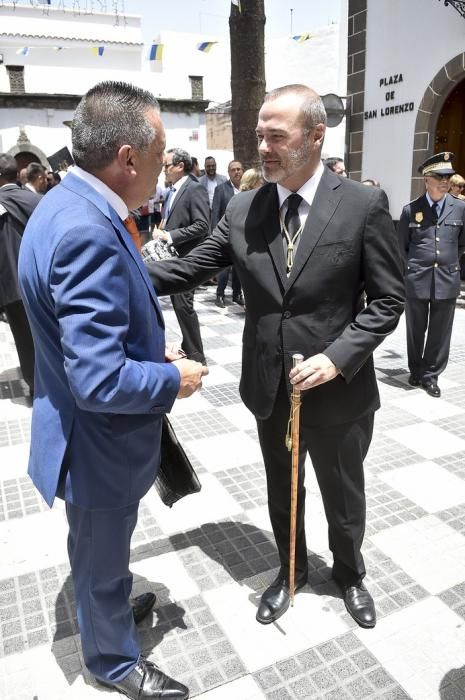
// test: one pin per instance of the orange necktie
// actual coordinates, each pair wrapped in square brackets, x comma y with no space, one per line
[133,231]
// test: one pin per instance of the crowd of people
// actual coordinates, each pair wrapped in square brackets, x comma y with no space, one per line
[318,268]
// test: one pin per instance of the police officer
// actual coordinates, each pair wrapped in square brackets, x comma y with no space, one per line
[432,237]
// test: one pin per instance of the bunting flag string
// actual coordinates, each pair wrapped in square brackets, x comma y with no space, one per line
[206,46]
[155,52]
[303,37]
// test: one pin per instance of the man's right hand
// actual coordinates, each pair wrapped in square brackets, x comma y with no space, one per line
[191,376]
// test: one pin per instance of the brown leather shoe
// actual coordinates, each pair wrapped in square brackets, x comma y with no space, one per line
[275,600]
[147,681]
[142,605]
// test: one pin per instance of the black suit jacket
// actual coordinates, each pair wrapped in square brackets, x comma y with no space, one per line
[432,248]
[189,219]
[16,206]
[223,193]
[348,253]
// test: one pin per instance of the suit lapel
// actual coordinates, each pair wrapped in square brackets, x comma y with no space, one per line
[134,253]
[272,232]
[178,197]
[447,208]
[327,197]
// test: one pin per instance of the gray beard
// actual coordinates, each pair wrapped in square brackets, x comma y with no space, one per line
[297,159]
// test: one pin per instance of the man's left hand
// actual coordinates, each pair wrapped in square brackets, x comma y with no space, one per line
[313,371]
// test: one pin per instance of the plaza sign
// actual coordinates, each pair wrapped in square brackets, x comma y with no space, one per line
[389,96]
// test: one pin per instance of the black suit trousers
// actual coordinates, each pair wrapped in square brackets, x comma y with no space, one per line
[431,320]
[21,332]
[183,305]
[337,454]
[223,278]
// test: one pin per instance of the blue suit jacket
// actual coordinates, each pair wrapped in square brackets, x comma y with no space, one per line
[101,382]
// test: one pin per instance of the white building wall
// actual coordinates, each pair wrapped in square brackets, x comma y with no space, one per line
[413,38]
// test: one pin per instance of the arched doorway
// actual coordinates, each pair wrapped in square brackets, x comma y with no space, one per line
[23,158]
[450,128]
[446,88]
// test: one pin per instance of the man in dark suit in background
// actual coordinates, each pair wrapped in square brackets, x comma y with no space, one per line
[186,221]
[103,383]
[320,269]
[223,194]
[16,206]
[431,231]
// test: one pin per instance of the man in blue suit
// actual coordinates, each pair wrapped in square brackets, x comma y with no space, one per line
[102,382]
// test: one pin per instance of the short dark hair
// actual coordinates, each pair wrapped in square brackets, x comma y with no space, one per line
[109,116]
[210,158]
[8,167]
[33,171]
[181,156]
[331,162]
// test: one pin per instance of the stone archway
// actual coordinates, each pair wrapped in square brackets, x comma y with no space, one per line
[430,106]
[24,145]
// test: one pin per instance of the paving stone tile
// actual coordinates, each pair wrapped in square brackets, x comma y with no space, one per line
[219,547]
[317,673]
[201,425]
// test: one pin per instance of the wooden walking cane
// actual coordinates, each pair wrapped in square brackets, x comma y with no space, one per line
[292,443]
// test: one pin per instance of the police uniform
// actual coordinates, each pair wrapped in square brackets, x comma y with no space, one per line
[432,243]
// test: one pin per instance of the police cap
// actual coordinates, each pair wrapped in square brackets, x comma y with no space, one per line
[439,164]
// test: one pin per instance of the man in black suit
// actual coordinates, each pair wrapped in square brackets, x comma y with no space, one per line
[321,274]
[16,206]
[431,230]
[186,221]
[223,194]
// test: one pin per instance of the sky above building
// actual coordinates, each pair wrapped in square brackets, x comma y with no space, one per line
[211,16]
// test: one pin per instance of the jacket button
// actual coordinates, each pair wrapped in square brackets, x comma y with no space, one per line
[437,238]
[436,265]
[287,314]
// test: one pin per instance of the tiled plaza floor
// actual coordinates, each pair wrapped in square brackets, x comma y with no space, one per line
[211,556]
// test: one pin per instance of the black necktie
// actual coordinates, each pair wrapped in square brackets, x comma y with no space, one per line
[435,208]
[292,228]
[292,220]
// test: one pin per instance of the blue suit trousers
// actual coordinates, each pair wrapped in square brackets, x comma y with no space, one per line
[99,548]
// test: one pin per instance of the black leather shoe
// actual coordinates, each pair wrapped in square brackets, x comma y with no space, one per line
[359,604]
[147,681]
[413,381]
[239,299]
[220,302]
[275,600]
[431,388]
[142,605]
